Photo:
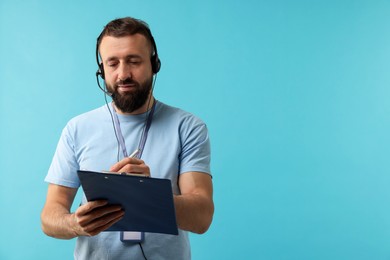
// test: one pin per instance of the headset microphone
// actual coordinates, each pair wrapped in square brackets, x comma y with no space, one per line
[98,82]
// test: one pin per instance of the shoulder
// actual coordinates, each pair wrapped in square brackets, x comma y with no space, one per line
[91,116]
[167,112]
[187,125]
[88,121]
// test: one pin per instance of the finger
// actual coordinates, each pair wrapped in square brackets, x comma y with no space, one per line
[103,225]
[119,165]
[90,206]
[101,212]
[136,169]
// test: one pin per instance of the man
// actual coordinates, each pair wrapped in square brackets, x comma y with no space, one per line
[169,143]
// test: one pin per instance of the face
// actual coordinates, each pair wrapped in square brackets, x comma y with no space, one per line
[128,71]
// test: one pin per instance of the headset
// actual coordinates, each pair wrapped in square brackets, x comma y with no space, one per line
[154,59]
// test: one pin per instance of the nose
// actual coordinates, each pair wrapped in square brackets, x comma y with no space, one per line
[124,72]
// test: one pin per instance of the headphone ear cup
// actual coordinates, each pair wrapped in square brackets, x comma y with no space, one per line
[101,70]
[156,64]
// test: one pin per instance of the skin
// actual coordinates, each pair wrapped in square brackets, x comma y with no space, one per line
[122,58]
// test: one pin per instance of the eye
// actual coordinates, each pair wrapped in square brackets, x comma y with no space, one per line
[134,61]
[112,64]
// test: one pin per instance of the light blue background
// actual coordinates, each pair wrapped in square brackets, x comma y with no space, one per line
[295,94]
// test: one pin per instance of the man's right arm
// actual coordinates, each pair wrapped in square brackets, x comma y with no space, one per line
[88,220]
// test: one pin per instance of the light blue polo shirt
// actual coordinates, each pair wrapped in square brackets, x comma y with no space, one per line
[177,143]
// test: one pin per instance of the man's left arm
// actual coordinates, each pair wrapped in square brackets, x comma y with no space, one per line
[194,206]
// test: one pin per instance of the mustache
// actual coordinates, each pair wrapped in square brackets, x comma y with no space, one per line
[115,87]
[127,81]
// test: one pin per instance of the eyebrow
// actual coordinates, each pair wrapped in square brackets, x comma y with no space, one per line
[131,56]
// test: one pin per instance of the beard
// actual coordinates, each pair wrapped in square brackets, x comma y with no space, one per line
[128,102]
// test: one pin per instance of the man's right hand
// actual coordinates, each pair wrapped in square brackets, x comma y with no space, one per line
[89,219]
[95,216]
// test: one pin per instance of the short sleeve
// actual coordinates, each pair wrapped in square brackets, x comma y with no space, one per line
[64,166]
[195,154]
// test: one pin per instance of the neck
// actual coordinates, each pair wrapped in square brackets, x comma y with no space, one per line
[145,107]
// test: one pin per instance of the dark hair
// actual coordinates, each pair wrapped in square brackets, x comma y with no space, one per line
[127,26]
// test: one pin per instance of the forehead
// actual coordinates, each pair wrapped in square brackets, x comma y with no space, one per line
[117,47]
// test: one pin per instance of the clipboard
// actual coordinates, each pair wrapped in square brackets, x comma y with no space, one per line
[147,202]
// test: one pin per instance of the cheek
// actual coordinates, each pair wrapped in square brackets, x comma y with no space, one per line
[110,78]
[109,83]
[143,75]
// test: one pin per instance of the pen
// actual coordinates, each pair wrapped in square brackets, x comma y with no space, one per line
[134,154]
